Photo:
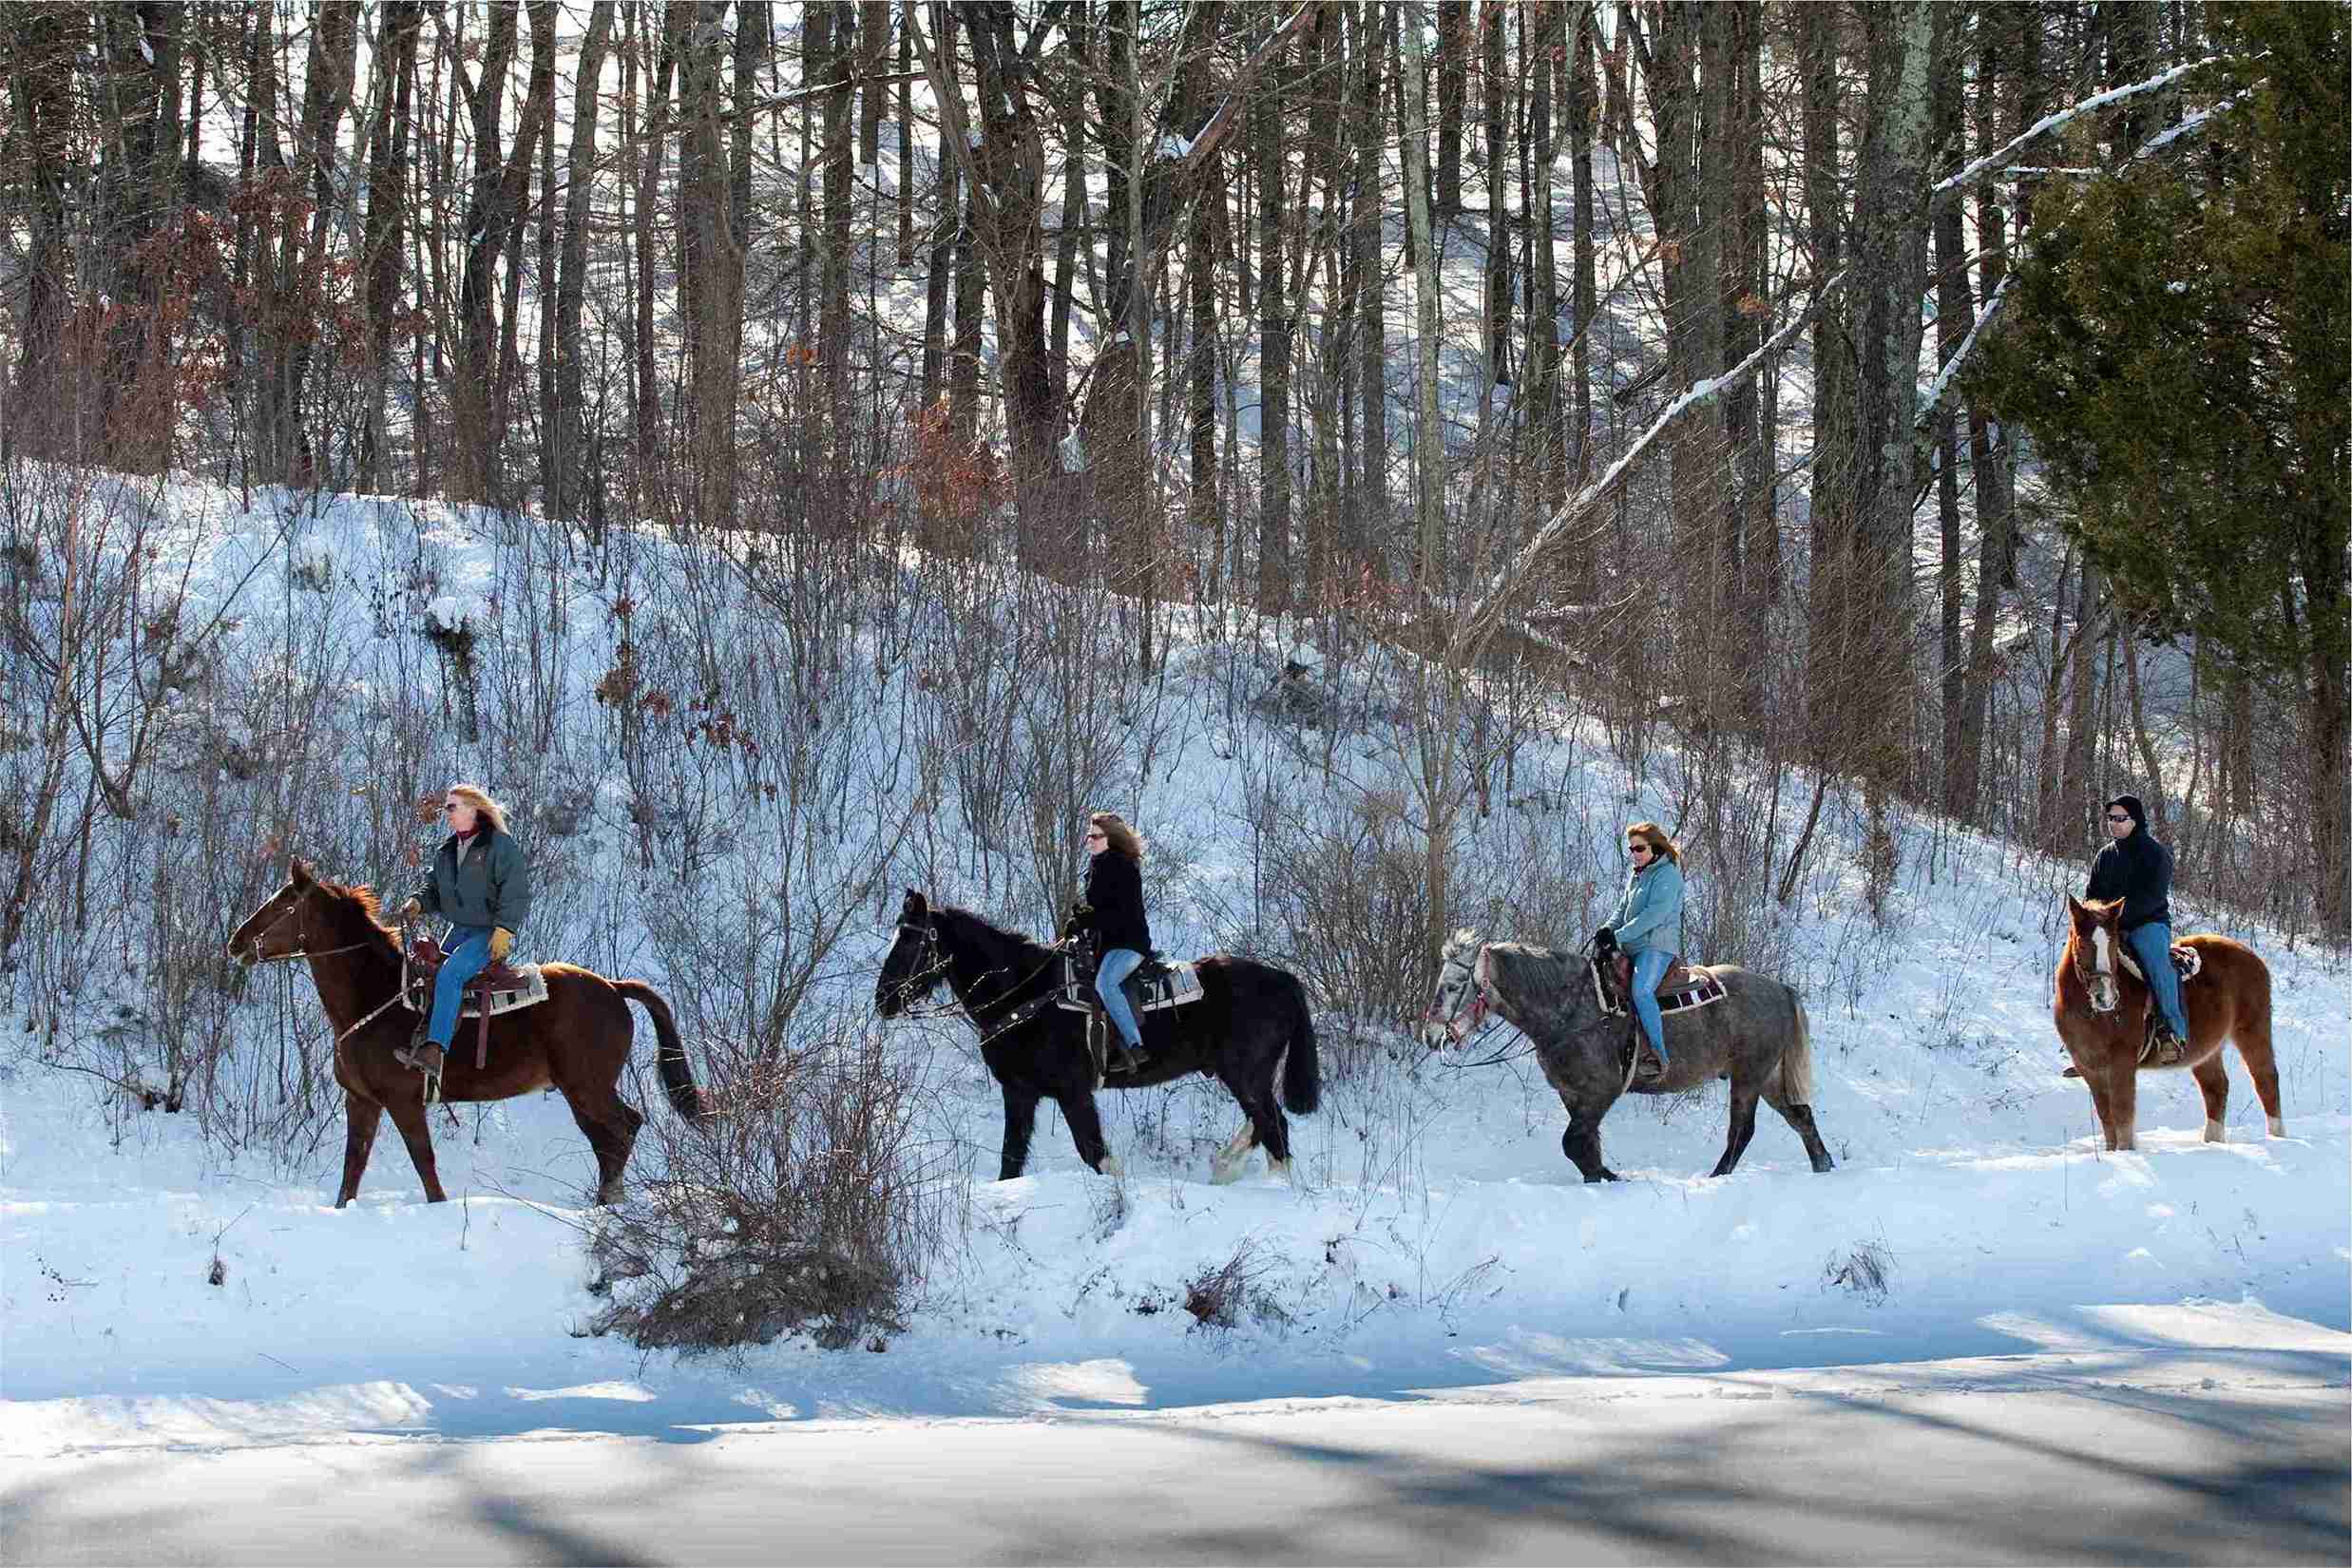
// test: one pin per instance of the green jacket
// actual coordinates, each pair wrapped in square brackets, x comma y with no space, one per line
[492,888]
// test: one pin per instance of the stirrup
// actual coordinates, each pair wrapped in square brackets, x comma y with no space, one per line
[1132,1058]
[1649,1068]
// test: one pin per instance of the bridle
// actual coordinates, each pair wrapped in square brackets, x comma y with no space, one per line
[302,936]
[923,979]
[1468,1014]
[2100,989]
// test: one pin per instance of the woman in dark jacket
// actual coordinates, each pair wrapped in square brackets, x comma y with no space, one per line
[1115,892]
[482,885]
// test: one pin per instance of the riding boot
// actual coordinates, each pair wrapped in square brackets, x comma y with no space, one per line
[1132,1058]
[430,1059]
[1648,1066]
[405,1055]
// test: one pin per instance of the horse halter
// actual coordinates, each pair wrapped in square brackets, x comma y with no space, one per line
[1467,1011]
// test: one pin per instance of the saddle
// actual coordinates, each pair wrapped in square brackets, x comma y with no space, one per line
[2187,962]
[1157,984]
[500,988]
[1680,987]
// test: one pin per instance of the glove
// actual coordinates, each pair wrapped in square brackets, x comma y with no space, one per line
[1605,937]
[501,942]
[412,909]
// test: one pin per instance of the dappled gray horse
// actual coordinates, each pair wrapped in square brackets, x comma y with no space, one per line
[1755,1035]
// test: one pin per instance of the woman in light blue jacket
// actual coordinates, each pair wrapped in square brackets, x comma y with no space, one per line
[1648,927]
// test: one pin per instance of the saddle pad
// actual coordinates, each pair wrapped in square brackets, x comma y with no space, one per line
[1703,988]
[2186,961]
[1170,985]
[532,991]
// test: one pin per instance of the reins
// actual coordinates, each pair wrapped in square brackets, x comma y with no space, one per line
[972,1011]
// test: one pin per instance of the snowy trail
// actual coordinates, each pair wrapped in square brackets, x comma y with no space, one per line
[2196,1453]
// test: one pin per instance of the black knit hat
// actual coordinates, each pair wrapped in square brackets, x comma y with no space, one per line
[2130,803]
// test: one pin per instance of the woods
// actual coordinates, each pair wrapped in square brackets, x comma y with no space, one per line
[1804,377]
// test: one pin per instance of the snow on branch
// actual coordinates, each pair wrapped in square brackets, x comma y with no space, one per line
[2048,122]
[1951,366]
[2164,138]
[1478,623]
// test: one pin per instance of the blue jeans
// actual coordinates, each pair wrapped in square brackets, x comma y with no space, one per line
[1649,966]
[1116,966]
[2151,944]
[464,954]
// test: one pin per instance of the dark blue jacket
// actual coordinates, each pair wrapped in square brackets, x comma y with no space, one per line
[2138,869]
[1115,888]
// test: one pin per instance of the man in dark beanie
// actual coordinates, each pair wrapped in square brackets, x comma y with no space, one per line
[2138,869]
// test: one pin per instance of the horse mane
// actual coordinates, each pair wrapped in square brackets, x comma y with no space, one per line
[995,932]
[1537,976]
[361,895]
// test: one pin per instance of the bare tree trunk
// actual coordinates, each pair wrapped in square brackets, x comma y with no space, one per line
[388,177]
[1453,51]
[41,44]
[1954,311]
[715,275]
[1371,205]
[1273,518]
[653,137]
[569,481]
[1428,433]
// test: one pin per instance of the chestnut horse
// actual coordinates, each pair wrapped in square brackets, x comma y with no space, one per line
[576,1041]
[2102,1009]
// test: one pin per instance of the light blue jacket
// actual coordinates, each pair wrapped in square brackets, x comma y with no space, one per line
[1649,918]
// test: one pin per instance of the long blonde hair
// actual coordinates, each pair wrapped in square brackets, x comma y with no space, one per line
[1115,833]
[485,809]
[1654,835]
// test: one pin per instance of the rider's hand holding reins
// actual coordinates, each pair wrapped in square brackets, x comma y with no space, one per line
[501,942]
[412,909]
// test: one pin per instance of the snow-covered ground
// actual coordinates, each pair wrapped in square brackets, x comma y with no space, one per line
[162,1290]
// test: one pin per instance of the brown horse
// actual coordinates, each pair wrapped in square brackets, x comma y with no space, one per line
[576,1041]
[2102,1008]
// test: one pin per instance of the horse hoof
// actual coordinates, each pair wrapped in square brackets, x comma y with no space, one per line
[2278,1126]
[1224,1173]
[1111,1167]
[1605,1175]
[2214,1133]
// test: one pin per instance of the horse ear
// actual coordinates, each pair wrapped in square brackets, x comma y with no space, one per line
[914,906]
[300,873]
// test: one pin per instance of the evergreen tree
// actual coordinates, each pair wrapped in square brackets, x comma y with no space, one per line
[2176,352]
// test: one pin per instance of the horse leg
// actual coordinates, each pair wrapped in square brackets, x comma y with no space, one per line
[409,1116]
[2095,1075]
[1800,1117]
[1077,1109]
[1225,1166]
[2253,1037]
[1019,1122]
[360,1119]
[1581,1143]
[2213,1083]
[611,1131]
[2123,1099]
[1743,1127]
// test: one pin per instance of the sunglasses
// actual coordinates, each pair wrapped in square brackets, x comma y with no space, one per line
[452,805]
[1093,838]
[1638,849]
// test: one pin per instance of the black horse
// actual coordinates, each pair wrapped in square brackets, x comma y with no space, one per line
[1247,1016]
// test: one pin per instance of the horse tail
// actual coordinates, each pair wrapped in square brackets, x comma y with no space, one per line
[1302,1070]
[1796,1063]
[670,1055]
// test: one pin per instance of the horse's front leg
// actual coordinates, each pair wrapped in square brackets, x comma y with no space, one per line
[2123,1099]
[1077,1109]
[1743,1127]
[409,1116]
[1019,1122]
[360,1119]
[1581,1143]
